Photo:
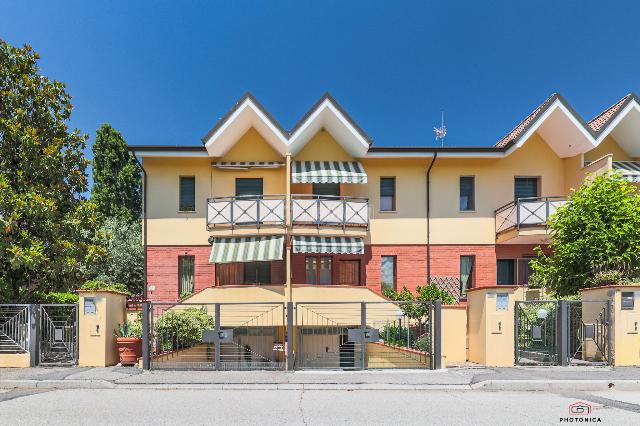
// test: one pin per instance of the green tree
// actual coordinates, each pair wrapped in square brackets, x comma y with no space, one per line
[597,231]
[124,260]
[116,176]
[45,244]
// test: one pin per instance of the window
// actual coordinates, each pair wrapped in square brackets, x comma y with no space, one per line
[187,194]
[318,270]
[332,189]
[523,271]
[526,187]
[246,187]
[514,271]
[467,194]
[186,273]
[466,271]
[257,272]
[388,272]
[387,194]
[506,271]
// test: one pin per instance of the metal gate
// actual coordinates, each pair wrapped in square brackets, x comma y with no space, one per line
[58,334]
[365,335]
[216,336]
[15,330]
[562,332]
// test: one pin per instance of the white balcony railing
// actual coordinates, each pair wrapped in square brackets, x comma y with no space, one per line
[325,210]
[246,210]
[526,212]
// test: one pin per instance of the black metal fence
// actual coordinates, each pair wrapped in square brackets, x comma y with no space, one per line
[367,335]
[214,336]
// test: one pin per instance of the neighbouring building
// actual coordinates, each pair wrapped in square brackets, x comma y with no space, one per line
[319,207]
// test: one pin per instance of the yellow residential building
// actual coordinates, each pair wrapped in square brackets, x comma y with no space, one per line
[274,211]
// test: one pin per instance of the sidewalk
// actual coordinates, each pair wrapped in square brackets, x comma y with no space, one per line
[515,379]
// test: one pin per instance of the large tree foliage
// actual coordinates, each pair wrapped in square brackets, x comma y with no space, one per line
[596,232]
[124,261]
[116,176]
[44,242]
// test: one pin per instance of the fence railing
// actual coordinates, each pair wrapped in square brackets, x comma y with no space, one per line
[15,329]
[319,210]
[452,285]
[526,212]
[246,210]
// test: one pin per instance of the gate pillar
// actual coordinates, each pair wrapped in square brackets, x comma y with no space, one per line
[624,321]
[491,331]
[99,313]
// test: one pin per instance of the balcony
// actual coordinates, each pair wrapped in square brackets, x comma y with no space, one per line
[269,211]
[246,211]
[525,221]
[329,211]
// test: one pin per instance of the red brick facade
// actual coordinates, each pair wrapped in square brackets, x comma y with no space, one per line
[411,265]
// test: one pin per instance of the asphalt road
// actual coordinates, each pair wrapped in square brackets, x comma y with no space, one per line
[310,407]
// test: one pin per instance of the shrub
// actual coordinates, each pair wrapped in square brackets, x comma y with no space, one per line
[182,328]
[128,329]
[105,286]
[53,297]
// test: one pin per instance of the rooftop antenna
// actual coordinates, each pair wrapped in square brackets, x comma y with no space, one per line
[440,132]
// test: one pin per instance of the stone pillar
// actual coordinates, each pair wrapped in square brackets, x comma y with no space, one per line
[100,312]
[624,329]
[491,314]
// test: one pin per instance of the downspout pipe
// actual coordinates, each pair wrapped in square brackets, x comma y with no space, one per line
[144,223]
[433,160]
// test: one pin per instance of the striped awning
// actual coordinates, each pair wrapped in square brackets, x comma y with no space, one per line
[328,172]
[334,245]
[246,249]
[244,165]
[630,170]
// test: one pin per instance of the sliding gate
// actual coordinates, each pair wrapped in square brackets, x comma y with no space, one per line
[563,332]
[365,335]
[216,336]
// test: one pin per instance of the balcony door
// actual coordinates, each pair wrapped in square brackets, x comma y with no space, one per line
[326,189]
[349,272]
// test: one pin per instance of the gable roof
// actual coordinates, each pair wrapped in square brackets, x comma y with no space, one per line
[283,139]
[601,121]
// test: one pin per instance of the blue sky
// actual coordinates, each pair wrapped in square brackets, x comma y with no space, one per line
[164,72]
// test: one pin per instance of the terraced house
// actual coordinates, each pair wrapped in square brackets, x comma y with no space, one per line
[318,212]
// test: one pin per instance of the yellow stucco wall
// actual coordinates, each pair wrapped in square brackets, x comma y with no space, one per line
[607,146]
[322,147]
[494,182]
[15,360]
[626,323]
[454,335]
[97,344]
[490,331]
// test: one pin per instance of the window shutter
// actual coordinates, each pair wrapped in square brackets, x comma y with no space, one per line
[245,186]
[387,187]
[187,194]
[526,188]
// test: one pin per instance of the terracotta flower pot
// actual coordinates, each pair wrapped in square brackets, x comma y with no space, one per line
[130,349]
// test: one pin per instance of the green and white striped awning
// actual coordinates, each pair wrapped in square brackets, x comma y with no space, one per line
[246,249]
[630,170]
[334,245]
[328,172]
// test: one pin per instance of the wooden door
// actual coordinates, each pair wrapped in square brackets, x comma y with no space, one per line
[349,272]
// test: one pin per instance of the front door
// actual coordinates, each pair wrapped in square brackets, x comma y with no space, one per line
[349,272]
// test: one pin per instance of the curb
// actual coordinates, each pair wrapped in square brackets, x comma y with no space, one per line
[488,385]
[557,385]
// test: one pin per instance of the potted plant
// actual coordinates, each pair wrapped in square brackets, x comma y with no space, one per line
[129,342]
